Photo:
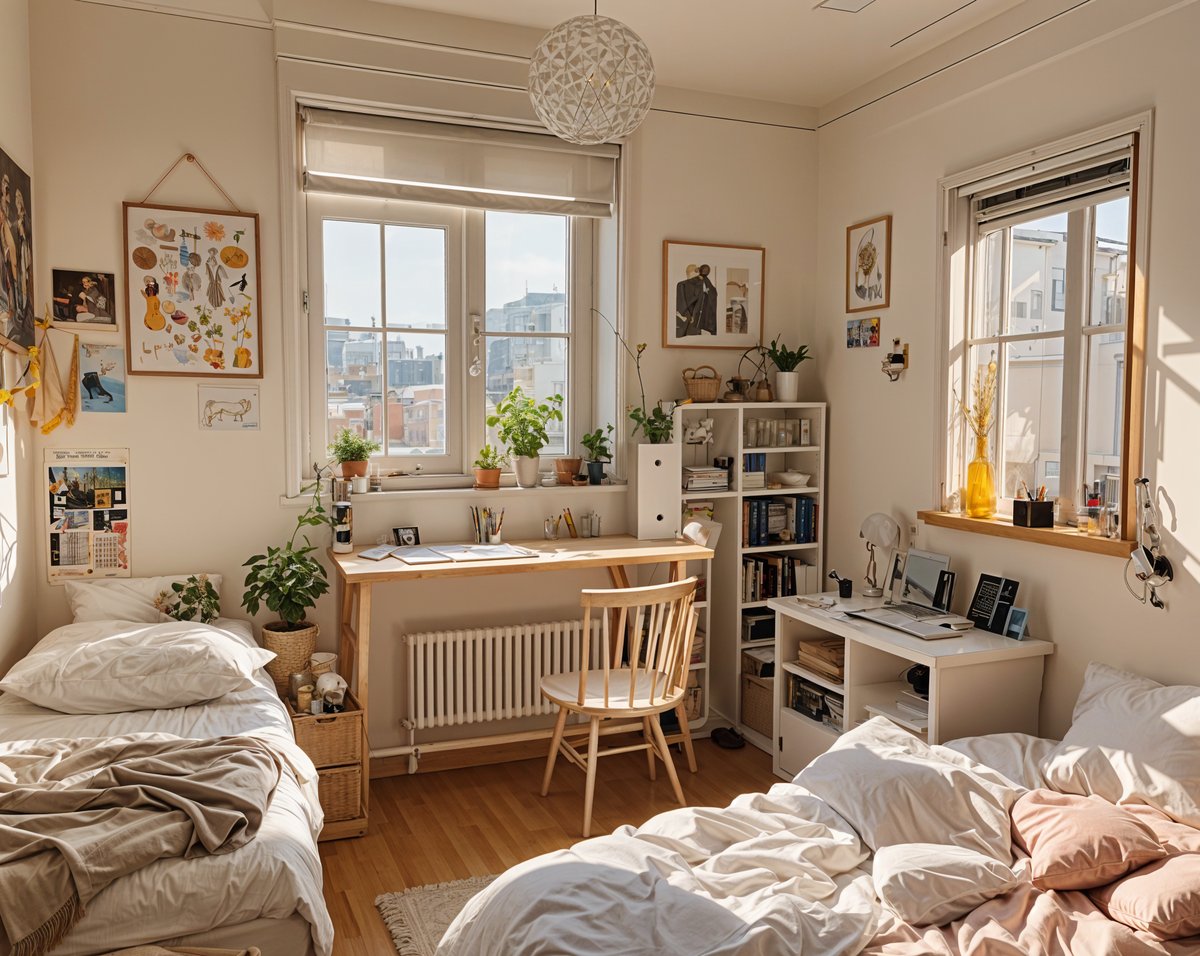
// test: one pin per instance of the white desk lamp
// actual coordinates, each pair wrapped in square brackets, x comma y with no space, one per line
[880,531]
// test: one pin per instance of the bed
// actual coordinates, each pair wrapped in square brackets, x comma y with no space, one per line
[887,846]
[265,894]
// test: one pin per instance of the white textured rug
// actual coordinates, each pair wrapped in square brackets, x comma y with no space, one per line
[418,918]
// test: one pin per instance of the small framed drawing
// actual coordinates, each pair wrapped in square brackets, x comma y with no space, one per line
[1014,626]
[84,300]
[193,301]
[869,265]
[713,295]
[406,537]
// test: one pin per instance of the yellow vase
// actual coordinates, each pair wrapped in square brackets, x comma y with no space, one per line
[981,483]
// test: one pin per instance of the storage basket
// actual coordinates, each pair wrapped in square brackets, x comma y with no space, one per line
[292,652]
[323,662]
[701,388]
[331,739]
[340,790]
[758,695]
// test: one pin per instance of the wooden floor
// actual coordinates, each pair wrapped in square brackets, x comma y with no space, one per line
[450,825]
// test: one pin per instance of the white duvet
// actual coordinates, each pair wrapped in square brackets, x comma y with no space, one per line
[777,873]
[274,876]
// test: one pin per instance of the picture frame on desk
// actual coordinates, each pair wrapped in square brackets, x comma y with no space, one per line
[406,537]
[1016,623]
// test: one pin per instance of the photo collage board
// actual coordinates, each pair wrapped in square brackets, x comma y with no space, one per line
[87,513]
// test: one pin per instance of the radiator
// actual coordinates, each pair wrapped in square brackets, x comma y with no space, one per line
[489,673]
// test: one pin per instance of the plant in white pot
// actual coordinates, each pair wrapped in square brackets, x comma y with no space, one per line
[352,451]
[520,421]
[787,379]
[288,580]
[599,453]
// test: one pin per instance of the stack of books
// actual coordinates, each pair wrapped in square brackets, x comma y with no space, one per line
[826,658]
[754,471]
[705,478]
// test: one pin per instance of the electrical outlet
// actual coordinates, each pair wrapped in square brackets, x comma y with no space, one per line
[913,531]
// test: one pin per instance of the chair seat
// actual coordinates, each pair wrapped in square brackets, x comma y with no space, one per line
[563,689]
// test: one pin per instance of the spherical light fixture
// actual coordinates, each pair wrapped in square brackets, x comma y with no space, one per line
[591,80]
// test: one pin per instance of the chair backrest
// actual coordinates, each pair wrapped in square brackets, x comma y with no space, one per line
[648,630]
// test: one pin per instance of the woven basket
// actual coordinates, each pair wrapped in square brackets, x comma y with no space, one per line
[758,694]
[701,388]
[340,791]
[292,652]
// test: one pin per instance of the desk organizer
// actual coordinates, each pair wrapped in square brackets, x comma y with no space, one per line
[1033,514]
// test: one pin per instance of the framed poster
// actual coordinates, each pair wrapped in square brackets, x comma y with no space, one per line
[16,254]
[192,288]
[228,407]
[869,265]
[84,300]
[87,513]
[713,295]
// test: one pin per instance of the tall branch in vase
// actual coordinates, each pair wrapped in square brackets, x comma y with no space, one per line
[980,496]
[653,422]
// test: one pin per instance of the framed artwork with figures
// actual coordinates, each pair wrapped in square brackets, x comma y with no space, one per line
[869,265]
[713,295]
[192,292]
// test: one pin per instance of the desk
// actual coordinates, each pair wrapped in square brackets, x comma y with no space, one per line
[357,575]
[979,683]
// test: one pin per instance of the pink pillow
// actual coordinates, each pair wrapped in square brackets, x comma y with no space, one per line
[1080,842]
[1162,899]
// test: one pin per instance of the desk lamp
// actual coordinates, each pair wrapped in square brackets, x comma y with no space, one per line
[879,531]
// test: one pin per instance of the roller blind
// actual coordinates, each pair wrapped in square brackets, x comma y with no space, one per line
[456,165]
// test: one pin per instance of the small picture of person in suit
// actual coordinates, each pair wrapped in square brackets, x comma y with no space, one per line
[695,303]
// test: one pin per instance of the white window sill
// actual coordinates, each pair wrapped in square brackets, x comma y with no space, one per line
[450,494]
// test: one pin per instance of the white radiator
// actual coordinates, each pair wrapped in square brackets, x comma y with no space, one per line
[489,673]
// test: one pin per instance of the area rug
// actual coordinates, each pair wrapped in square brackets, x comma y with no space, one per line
[418,918]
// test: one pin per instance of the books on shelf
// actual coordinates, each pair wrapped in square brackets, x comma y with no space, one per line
[766,576]
[698,644]
[787,519]
[825,658]
[705,478]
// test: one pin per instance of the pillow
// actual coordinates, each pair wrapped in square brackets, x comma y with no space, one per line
[1132,740]
[1162,899]
[124,599]
[927,884]
[114,666]
[1076,842]
[894,788]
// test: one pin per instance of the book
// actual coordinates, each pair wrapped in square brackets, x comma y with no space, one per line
[378,553]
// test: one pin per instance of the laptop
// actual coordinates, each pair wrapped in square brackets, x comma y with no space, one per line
[919,602]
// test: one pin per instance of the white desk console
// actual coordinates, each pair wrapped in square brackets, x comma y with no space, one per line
[979,683]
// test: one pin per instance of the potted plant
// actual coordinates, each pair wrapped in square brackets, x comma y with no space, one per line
[656,424]
[787,379]
[520,421]
[487,466]
[599,452]
[352,450]
[288,580]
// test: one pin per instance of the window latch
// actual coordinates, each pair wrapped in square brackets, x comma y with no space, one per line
[304,300]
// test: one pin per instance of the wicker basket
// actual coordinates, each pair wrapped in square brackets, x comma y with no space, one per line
[758,695]
[340,790]
[331,739]
[323,662]
[292,652]
[701,388]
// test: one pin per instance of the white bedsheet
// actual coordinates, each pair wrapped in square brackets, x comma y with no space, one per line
[275,875]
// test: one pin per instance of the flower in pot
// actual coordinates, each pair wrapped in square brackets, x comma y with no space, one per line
[352,451]
[487,466]
[599,452]
[288,580]
[520,421]
[787,379]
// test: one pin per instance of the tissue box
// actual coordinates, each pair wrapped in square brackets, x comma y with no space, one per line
[1033,514]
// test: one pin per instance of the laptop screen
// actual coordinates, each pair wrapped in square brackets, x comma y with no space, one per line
[919,585]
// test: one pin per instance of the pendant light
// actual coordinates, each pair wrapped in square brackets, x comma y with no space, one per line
[591,80]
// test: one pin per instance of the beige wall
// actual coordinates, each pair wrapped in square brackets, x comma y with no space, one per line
[18,526]
[209,500]
[887,158]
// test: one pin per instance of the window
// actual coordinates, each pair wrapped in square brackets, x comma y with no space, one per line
[447,264]
[1062,227]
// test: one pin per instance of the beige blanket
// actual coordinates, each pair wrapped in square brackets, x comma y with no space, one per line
[77,814]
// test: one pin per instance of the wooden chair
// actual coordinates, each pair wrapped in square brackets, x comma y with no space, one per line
[646,639]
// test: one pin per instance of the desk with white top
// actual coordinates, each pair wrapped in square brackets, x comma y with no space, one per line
[357,575]
[979,683]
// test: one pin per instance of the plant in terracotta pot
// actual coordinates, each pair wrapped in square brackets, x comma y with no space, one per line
[352,451]
[787,379]
[599,452]
[288,580]
[487,466]
[520,421]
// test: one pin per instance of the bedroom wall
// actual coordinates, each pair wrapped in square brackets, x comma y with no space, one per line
[209,500]
[18,559]
[887,158]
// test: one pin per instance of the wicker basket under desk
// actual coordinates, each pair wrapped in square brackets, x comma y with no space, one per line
[334,743]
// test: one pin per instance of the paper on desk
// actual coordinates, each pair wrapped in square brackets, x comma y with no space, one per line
[418,554]
[483,552]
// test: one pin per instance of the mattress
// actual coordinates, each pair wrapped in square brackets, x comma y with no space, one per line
[275,877]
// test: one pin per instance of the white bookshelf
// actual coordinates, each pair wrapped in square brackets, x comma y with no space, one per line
[722,617]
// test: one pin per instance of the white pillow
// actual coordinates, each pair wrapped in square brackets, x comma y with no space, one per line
[124,599]
[110,667]
[927,884]
[1132,740]
[894,788]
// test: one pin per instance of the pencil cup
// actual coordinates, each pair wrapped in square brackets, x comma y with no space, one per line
[494,538]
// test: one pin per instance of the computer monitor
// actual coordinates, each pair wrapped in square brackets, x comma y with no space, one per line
[923,573]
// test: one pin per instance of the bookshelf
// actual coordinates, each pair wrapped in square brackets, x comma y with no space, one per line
[782,436]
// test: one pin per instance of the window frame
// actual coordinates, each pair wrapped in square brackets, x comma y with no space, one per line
[955,281]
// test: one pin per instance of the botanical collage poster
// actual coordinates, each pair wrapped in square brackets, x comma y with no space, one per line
[192,292]
[87,496]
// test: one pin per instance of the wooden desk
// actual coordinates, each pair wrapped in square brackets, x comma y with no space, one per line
[614,553]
